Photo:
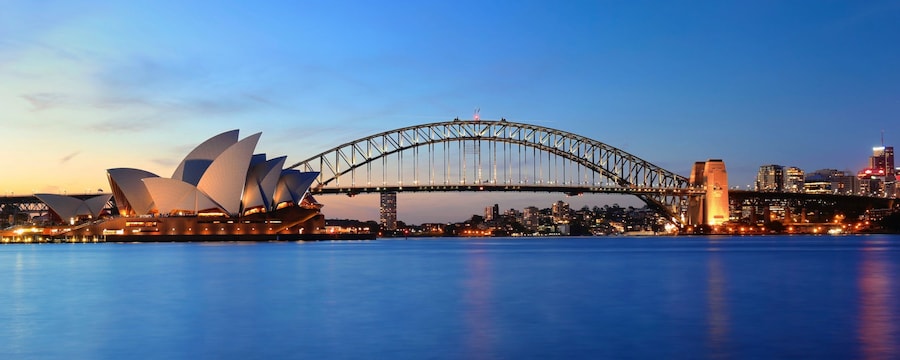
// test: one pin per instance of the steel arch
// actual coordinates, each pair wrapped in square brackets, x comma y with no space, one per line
[630,174]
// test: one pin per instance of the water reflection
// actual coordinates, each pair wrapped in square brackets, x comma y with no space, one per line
[717,305]
[478,314]
[876,328]
[18,324]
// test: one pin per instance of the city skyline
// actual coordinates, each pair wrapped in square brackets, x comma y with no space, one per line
[89,86]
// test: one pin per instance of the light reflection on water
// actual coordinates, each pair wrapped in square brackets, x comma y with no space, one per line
[718,322]
[478,303]
[685,297]
[878,304]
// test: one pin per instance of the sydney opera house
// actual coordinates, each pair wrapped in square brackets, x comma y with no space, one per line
[222,190]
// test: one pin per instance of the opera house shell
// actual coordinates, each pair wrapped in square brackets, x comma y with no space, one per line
[220,191]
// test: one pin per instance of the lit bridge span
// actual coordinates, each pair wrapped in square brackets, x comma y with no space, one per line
[468,155]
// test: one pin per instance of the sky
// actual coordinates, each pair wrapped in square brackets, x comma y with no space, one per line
[90,85]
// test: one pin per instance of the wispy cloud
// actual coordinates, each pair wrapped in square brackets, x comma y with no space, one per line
[137,113]
[262,100]
[66,158]
[44,101]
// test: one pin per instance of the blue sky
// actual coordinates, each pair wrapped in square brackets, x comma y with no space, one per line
[91,85]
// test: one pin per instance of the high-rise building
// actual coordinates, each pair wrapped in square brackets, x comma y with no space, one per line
[883,158]
[770,178]
[389,210]
[531,217]
[890,177]
[879,179]
[492,213]
[560,212]
[793,180]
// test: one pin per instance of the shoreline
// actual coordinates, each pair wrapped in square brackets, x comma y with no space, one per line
[37,239]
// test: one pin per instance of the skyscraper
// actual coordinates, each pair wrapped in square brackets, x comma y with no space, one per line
[389,210]
[883,158]
[770,178]
[879,179]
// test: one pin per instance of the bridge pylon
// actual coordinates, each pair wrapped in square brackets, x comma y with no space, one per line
[710,208]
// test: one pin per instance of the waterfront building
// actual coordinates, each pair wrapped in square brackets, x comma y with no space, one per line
[879,179]
[515,215]
[221,188]
[560,212]
[818,187]
[883,158]
[584,215]
[871,185]
[793,179]
[831,181]
[389,211]
[770,178]
[531,217]
[68,209]
[492,213]
[222,176]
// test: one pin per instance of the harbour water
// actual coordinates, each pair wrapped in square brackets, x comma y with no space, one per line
[478,298]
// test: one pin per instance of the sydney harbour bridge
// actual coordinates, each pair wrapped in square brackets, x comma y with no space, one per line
[492,156]
[479,155]
[483,155]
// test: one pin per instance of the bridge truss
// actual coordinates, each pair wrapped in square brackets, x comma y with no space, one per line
[463,155]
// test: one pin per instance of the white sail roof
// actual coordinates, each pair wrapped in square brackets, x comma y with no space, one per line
[69,207]
[261,183]
[130,193]
[171,195]
[193,166]
[221,174]
[224,180]
[292,185]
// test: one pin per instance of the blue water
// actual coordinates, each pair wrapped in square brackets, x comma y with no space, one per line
[497,298]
